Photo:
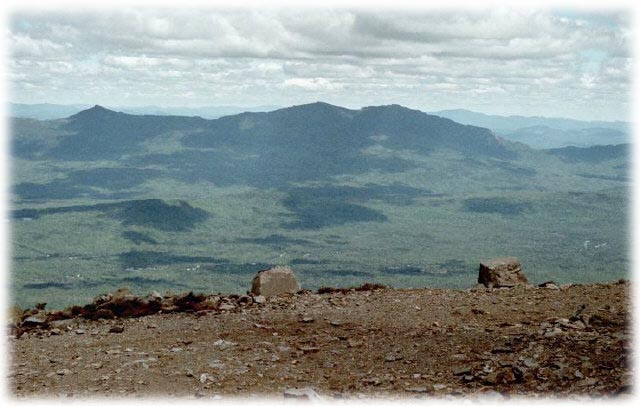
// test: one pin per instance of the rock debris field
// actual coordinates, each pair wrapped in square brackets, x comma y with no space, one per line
[372,342]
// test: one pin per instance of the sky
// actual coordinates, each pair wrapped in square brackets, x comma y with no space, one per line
[549,62]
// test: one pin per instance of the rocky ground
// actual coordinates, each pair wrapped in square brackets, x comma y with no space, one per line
[531,341]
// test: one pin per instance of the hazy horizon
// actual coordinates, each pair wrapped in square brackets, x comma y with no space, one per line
[275,107]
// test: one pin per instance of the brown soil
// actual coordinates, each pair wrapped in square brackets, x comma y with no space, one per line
[379,343]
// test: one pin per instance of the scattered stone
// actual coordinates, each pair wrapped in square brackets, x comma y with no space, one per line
[116,329]
[307,320]
[552,332]
[392,357]
[275,281]
[224,344]
[416,389]
[80,331]
[501,272]
[309,350]
[588,382]
[260,299]
[37,319]
[227,306]
[462,371]
[217,364]
[55,332]
[372,381]
[63,372]
[549,285]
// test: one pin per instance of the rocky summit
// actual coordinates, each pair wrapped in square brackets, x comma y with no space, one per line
[370,341]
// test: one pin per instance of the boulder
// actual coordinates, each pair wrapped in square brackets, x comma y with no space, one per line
[501,272]
[275,281]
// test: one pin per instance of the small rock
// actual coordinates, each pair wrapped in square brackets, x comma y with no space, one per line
[372,381]
[227,306]
[260,299]
[116,329]
[588,382]
[63,372]
[491,379]
[224,344]
[392,357]
[217,364]
[549,285]
[417,389]
[552,332]
[80,331]
[307,320]
[37,319]
[55,331]
[462,371]
[309,350]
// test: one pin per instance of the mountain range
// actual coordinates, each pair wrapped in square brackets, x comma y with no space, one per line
[49,111]
[536,132]
[545,132]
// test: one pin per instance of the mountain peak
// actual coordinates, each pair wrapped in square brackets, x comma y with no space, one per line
[95,111]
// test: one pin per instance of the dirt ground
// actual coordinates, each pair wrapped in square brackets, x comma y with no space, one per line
[388,343]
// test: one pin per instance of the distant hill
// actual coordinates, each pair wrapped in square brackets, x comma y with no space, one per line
[47,111]
[594,154]
[546,137]
[546,132]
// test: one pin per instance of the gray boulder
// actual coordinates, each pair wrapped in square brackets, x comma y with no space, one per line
[501,272]
[275,281]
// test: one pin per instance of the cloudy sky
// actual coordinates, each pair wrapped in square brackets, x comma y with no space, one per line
[502,61]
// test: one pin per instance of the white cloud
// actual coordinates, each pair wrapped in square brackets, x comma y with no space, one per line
[534,61]
[312,84]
